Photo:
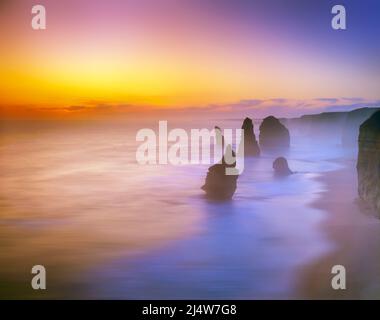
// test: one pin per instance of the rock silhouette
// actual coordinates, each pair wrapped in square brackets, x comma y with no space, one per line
[273,134]
[281,167]
[219,185]
[368,165]
[219,140]
[251,147]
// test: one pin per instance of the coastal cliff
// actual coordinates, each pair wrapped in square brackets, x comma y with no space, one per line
[342,127]
[368,165]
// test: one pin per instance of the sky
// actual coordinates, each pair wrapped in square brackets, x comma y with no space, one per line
[131,56]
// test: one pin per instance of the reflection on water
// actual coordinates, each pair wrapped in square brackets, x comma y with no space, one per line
[74,200]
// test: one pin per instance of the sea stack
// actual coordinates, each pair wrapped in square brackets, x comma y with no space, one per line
[251,147]
[219,136]
[368,164]
[219,185]
[273,134]
[281,167]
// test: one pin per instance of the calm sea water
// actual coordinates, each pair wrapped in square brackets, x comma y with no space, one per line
[74,199]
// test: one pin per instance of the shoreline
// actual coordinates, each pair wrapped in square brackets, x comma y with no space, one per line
[354,230]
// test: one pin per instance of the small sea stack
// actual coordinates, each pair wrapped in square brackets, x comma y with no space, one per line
[219,185]
[251,147]
[273,134]
[219,139]
[281,167]
[368,165]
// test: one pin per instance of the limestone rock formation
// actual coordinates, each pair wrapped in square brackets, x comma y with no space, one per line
[319,127]
[251,147]
[368,164]
[219,185]
[219,140]
[281,167]
[273,134]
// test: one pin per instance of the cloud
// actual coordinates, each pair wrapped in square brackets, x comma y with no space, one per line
[354,99]
[75,108]
[282,107]
[352,106]
[85,108]
[329,100]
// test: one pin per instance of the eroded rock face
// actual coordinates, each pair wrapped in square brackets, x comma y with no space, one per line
[219,185]
[281,167]
[368,164]
[251,147]
[273,134]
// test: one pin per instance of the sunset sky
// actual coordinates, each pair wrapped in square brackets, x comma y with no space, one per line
[185,54]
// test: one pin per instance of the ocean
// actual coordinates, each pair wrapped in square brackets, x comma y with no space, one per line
[74,199]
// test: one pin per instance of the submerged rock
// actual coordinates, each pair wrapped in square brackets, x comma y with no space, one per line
[251,147]
[219,185]
[281,167]
[273,134]
[368,165]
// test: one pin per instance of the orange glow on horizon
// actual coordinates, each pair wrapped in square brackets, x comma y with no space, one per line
[156,58]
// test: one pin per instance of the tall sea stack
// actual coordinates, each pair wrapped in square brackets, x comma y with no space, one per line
[368,165]
[273,134]
[251,147]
